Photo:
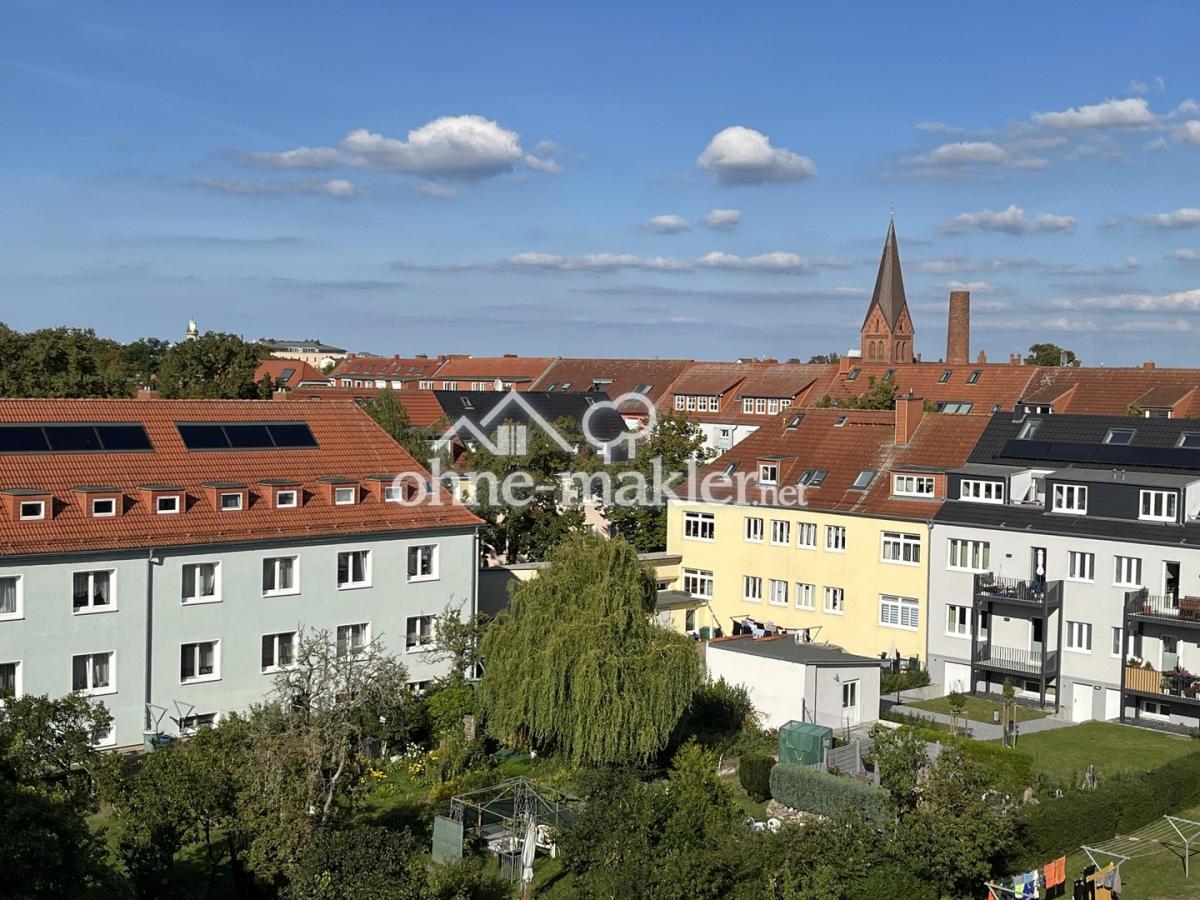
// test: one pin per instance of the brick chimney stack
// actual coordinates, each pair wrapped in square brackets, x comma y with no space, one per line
[958,329]
[1014,359]
[909,410]
[1148,364]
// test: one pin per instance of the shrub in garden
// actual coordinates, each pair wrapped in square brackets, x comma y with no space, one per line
[810,790]
[754,774]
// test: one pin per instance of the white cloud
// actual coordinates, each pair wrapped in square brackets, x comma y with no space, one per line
[1138,88]
[1188,132]
[776,261]
[668,224]
[1156,144]
[592,262]
[456,148]
[1186,217]
[1160,82]
[1008,221]
[1180,301]
[1183,255]
[960,265]
[1062,323]
[740,155]
[963,152]
[436,189]
[723,219]
[975,287]
[961,159]
[1188,107]
[1132,112]
[338,188]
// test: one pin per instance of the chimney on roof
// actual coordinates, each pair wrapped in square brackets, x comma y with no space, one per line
[958,329]
[147,393]
[844,364]
[917,358]
[1014,359]
[1148,364]
[981,360]
[510,356]
[280,394]
[909,410]
[421,356]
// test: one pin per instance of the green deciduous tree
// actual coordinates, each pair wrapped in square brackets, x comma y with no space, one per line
[879,394]
[576,663]
[826,358]
[213,366]
[674,441]
[60,362]
[1051,355]
[899,754]
[143,357]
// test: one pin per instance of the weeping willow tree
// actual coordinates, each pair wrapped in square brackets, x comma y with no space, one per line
[577,665]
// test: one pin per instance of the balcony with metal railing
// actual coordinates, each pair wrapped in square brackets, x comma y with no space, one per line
[1163,608]
[1178,684]
[1042,595]
[1037,663]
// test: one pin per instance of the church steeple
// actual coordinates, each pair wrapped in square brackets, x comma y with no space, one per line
[887,331]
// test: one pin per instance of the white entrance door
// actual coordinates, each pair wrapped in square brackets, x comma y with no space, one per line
[850,709]
[1112,704]
[1081,702]
[958,678]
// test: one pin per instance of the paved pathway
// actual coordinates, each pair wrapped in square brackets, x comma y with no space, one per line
[980,731]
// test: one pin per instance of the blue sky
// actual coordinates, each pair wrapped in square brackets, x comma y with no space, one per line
[536,178]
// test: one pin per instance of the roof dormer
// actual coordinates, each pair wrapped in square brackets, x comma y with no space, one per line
[342,490]
[227,496]
[285,493]
[101,502]
[164,499]
[29,504]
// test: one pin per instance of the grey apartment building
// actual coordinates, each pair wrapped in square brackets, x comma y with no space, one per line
[163,555]
[1067,559]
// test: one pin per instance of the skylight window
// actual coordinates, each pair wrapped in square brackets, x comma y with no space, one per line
[1028,429]
[974,376]
[840,421]
[794,421]
[889,374]
[853,374]
[806,476]
[864,479]
[731,468]
[1121,436]
[565,386]
[945,376]
[818,477]
[1189,440]
[551,386]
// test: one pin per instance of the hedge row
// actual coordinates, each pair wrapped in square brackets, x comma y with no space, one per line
[754,774]
[1120,805]
[811,790]
[902,681]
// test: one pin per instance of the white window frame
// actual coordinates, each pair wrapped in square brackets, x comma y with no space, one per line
[425,638]
[278,591]
[345,496]
[104,515]
[91,690]
[1162,710]
[900,548]
[1078,636]
[747,406]
[289,498]
[835,538]
[191,724]
[698,523]
[1124,566]
[806,595]
[235,494]
[276,643]
[980,491]
[92,608]
[1081,566]
[1070,499]
[768,473]
[421,550]
[349,631]
[781,532]
[18,682]
[199,599]
[752,588]
[1116,636]
[698,583]
[806,535]
[174,503]
[958,621]
[19,610]
[214,675]
[365,581]
[968,551]
[835,600]
[754,530]
[777,592]
[106,738]
[392,493]
[913,485]
[679,402]
[1163,506]
[31,516]
[899,612]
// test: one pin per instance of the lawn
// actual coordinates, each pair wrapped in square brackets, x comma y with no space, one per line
[1064,753]
[977,709]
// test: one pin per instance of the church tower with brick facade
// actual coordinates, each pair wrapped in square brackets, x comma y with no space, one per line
[887,331]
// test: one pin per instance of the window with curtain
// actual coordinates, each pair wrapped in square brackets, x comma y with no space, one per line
[8,595]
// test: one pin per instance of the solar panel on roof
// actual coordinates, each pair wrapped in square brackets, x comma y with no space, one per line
[1069,451]
[248,437]
[22,439]
[72,438]
[123,437]
[1022,449]
[203,437]
[292,435]
[1168,457]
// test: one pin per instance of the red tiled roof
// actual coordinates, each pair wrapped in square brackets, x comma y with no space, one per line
[485,368]
[731,381]
[997,383]
[390,367]
[621,375]
[865,440]
[350,445]
[1095,390]
[299,372]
